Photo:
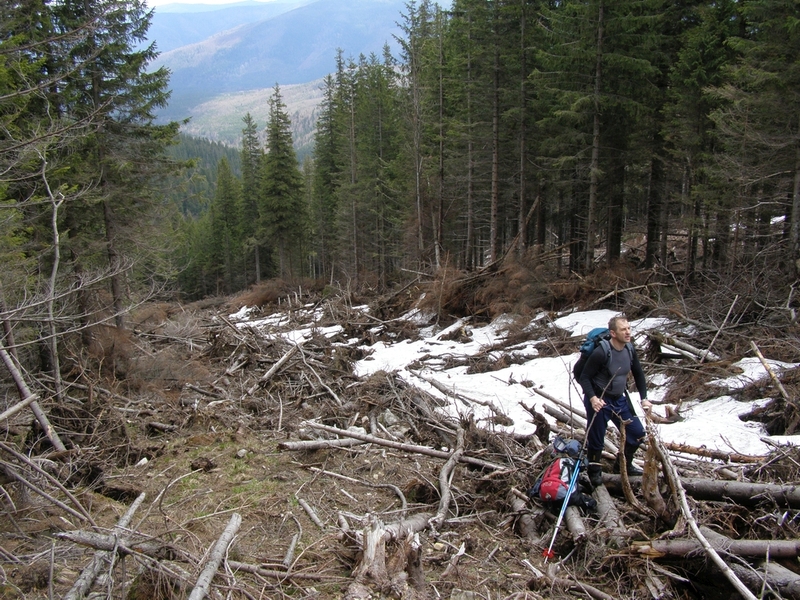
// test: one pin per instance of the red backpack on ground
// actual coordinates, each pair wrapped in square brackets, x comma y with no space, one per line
[552,484]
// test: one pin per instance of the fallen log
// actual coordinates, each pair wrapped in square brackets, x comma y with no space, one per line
[215,558]
[747,494]
[610,518]
[319,444]
[405,447]
[574,521]
[746,548]
[26,393]
[776,577]
[679,495]
[112,543]
[92,570]
[528,517]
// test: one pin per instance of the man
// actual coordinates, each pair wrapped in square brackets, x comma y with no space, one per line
[604,381]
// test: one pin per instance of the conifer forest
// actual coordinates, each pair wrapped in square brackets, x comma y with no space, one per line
[572,134]
[512,159]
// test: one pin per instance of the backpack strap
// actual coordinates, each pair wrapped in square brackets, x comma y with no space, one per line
[606,345]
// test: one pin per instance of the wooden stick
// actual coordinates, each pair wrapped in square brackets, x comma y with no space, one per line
[215,558]
[771,373]
[18,407]
[259,570]
[10,472]
[398,492]
[717,454]
[444,480]
[276,367]
[406,447]
[92,570]
[310,512]
[721,327]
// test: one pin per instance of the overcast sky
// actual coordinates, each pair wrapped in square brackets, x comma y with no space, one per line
[152,3]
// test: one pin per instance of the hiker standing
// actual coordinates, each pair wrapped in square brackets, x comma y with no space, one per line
[604,381]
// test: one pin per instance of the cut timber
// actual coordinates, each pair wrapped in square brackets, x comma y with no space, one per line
[215,558]
[92,570]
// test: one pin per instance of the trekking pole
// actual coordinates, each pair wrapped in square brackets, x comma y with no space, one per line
[572,482]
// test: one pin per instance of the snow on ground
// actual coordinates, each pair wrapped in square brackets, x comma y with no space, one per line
[714,424]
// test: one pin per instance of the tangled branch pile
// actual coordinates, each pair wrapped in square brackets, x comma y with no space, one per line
[246,465]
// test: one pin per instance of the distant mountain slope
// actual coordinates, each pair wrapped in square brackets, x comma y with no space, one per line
[220,119]
[176,25]
[297,46]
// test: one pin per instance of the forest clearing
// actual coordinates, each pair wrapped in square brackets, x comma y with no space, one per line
[234,452]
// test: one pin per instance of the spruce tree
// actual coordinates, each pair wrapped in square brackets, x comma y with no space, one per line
[225,219]
[326,180]
[283,210]
[759,125]
[252,156]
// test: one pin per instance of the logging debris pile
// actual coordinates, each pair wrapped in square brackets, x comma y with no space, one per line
[234,460]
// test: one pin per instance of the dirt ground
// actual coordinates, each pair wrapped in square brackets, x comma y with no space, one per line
[188,423]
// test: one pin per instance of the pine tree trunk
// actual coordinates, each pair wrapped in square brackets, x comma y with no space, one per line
[495,193]
[594,167]
[796,217]
[653,214]
[522,238]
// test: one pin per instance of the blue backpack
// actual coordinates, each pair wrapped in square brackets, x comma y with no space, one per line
[599,336]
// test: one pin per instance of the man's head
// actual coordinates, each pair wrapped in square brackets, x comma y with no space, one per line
[620,329]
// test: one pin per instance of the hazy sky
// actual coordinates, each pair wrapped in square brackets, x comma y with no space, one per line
[152,3]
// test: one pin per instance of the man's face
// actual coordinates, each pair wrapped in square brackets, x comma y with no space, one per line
[622,332]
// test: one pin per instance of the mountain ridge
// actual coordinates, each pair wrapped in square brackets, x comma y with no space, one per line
[294,47]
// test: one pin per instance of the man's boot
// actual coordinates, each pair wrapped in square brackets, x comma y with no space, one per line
[632,470]
[595,469]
